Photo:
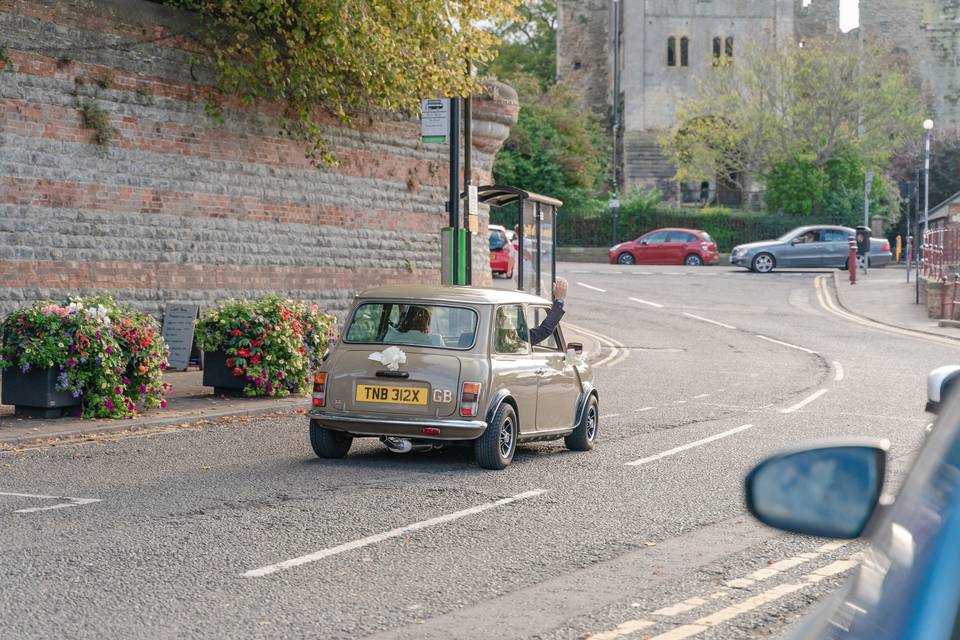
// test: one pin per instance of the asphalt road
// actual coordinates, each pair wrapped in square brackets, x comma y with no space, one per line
[190,527]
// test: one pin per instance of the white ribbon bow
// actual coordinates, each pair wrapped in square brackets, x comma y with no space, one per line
[391,357]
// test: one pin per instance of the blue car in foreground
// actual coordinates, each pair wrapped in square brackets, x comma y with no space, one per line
[908,585]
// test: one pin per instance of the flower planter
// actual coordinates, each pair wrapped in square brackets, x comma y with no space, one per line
[216,374]
[34,394]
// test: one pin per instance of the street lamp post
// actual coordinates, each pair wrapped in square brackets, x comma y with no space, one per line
[927,135]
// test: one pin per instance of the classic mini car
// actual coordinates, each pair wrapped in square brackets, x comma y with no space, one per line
[421,366]
[807,247]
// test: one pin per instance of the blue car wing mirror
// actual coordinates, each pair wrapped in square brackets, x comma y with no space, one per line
[830,490]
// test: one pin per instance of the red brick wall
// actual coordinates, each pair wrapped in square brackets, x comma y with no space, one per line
[180,207]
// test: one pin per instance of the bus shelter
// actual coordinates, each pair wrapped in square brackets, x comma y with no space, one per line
[536,227]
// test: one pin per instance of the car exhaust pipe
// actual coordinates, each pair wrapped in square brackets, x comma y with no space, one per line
[405,445]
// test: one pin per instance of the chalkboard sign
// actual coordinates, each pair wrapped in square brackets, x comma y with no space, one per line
[178,322]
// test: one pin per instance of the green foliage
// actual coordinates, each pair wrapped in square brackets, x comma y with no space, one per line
[272,342]
[528,45]
[555,149]
[95,118]
[787,113]
[316,56]
[5,61]
[109,357]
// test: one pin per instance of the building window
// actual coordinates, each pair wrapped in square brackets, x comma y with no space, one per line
[576,65]
[671,51]
[717,51]
[684,51]
[729,47]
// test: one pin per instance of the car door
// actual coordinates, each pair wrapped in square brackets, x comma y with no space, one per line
[558,389]
[804,254]
[835,248]
[651,247]
[514,367]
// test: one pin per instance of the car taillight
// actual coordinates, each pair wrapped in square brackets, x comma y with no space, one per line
[705,246]
[886,247]
[320,389]
[469,398]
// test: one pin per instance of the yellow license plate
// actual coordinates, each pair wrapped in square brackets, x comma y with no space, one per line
[391,395]
[493,256]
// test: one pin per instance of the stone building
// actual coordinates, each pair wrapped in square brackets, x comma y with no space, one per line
[666,44]
[178,206]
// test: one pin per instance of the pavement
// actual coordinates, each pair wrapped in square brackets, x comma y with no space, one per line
[885,296]
[238,530]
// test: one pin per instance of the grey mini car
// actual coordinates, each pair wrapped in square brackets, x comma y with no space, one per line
[421,366]
[807,247]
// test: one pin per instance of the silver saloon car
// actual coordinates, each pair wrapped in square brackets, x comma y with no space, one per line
[809,247]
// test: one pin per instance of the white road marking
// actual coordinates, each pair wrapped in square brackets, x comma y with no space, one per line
[647,302]
[731,612]
[786,344]
[641,410]
[800,405]
[702,395]
[837,371]
[618,352]
[709,321]
[623,630]
[588,286]
[698,443]
[387,535]
[644,273]
[679,402]
[610,415]
[73,502]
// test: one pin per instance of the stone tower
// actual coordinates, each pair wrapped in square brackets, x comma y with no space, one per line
[665,46]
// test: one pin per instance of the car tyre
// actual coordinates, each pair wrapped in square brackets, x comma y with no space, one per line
[626,258]
[327,443]
[585,434]
[693,260]
[495,448]
[763,263]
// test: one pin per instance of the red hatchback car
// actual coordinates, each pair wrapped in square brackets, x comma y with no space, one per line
[503,254]
[667,246]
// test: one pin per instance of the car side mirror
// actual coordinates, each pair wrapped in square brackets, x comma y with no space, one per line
[830,491]
[643,243]
[576,347]
[940,383]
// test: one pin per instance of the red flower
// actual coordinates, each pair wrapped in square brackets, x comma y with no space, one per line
[243,353]
[255,343]
[237,371]
[255,359]
[236,332]
[230,362]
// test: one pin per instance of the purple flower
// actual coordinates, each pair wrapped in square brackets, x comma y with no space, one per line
[109,349]
[71,362]
[117,390]
[126,380]
[143,388]
[99,361]
[77,393]
[97,334]
[109,405]
[25,367]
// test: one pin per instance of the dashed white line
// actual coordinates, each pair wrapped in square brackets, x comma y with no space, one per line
[709,321]
[800,405]
[786,344]
[72,502]
[680,449]
[625,629]
[610,415]
[589,286]
[702,395]
[393,533]
[655,305]
[837,371]
[642,409]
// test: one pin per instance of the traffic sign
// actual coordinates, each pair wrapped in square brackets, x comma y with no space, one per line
[435,121]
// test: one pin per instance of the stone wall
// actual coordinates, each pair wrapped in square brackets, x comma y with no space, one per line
[584,52]
[180,207]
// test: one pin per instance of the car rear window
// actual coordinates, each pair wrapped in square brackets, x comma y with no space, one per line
[706,236]
[404,323]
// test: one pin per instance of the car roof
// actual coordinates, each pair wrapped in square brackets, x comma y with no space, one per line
[460,294]
[498,227]
[676,229]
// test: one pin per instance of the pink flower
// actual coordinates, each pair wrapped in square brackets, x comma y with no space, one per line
[117,390]
[163,404]
[109,405]
[109,349]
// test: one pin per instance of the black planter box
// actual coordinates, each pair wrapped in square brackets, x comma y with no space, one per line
[218,375]
[34,393]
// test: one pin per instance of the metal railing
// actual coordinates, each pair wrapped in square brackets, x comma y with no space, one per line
[940,262]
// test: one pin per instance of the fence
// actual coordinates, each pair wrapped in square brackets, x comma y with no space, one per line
[940,263]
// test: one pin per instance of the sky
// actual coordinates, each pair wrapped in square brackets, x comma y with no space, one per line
[849,14]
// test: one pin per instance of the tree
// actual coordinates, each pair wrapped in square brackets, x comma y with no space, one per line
[528,45]
[785,113]
[554,149]
[944,165]
[318,57]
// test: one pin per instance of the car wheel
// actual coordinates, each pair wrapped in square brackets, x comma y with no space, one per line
[585,434]
[763,263]
[693,260]
[626,258]
[495,448]
[327,443]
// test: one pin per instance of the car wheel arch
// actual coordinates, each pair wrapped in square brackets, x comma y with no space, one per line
[588,391]
[501,397]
